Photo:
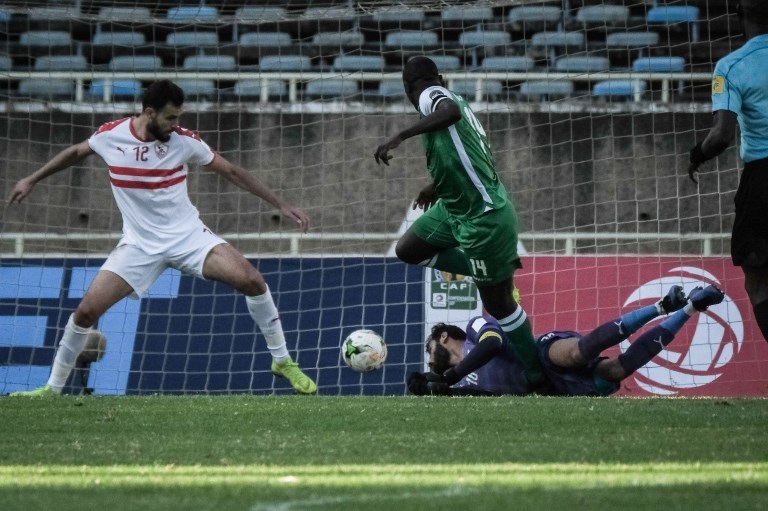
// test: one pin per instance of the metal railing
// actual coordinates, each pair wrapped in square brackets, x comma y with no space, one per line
[568,240]
[667,81]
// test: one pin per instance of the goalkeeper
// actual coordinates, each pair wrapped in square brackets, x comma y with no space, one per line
[478,363]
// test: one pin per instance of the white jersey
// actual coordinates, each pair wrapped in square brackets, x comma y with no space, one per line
[149,182]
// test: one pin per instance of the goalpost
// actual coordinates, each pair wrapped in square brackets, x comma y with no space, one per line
[590,122]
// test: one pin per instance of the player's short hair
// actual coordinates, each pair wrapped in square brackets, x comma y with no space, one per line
[160,93]
[420,68]
[453,332]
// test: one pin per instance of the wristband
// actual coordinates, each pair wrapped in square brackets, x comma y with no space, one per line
[697,156]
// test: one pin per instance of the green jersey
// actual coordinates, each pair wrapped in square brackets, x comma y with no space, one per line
[459,160]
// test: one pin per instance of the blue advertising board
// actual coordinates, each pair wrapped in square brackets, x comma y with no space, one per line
[189,335]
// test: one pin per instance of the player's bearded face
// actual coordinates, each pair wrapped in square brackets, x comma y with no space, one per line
[163,122]
[440,358]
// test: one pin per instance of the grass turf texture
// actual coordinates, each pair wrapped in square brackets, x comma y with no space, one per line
[317,453]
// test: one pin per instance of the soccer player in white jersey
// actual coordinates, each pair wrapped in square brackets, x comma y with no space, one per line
[740,96]
[148,157]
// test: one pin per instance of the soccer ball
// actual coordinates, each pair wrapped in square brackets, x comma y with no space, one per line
[364,350]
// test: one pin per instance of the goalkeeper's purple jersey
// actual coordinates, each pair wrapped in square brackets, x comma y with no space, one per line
[500,375]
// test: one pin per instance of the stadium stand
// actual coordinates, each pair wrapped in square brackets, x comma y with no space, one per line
[123,89]
[546,90]
[527,20]
[253,88]
[332,89]
[619,89]
[47,89]
[135,63]
[285,63]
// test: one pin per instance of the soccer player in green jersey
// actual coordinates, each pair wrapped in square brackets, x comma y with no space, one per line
[470,224]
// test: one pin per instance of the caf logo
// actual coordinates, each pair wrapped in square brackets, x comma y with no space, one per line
[690,360]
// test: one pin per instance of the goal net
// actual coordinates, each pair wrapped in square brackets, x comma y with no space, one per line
[590,107]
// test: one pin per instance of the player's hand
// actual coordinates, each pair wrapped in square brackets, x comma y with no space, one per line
[437,384]
[693,169]
[382,153]
[426,198]
[21,190]
[417,384]
[298,216]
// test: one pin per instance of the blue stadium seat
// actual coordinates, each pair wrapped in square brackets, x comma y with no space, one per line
[192,38]
[332,88]
[530,19]
[619,88]
[398,15]
[45,38]
[193,13]
[260,13]
[631,39]
[351,39]
[121,38]
[390,88]
[546,89]
[285,63]
[604,15]
[134,14]
[5,63]
[335,12]
[411,39]
[674,14]
[358,63]
[266,39]
[120,89]
[468,88]
[668,64]
[484,38]
[61,63]
[50,89]
[198,88]
[5,15]
[135,63]
[467,15]
[582,64]
[559,39]
[511,63]
[252,88]
[210,63]
[446,62]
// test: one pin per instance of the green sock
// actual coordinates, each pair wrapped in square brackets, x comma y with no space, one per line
[519,332]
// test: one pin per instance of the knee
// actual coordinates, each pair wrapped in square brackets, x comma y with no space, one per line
[84,316]
[253,284]
[404,252]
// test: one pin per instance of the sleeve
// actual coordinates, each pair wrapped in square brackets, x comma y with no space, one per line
[198,151]
[725,92]
[489,345]
[430,98]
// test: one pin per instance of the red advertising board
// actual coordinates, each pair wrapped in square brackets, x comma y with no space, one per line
[720,352]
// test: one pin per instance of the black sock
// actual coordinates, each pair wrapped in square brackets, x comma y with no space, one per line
[761,316]
[645,348]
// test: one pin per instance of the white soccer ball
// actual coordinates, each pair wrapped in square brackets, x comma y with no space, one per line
[364,350]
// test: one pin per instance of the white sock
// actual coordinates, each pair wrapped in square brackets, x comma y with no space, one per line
[70,347]
[264,313]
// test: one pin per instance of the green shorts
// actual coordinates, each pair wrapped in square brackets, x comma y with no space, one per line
[489,241]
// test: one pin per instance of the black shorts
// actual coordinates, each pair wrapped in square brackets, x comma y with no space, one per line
[749,241]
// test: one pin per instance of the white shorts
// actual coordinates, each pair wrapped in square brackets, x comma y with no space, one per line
[140,270]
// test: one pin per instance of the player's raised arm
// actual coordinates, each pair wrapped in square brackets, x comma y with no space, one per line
[65,159]
[250,183]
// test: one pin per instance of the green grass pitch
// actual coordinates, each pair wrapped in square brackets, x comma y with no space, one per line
[381,453]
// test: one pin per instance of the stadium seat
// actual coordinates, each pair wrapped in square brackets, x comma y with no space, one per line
[553,44]
[57,18]
[546,89]
[120,88]
[61,63]
[352,39]
[46,38]
[252,88]
[391,88]
[266,39]
[5,15]
[5,63]
[484,38]
[49,89]
[358,63]
[411,39]
[467,15]
[446,62]
[285,63]
[122,38]
[529,19]
[332,88]
[399,15]
[134,14]
[135,63]
[198,88]
[631,39]
[333,12]
[511,63]
[605,15]
[468,88]
[209,63]
[260,13]
[659,64]
[676,14]
[582,64]
[620,89]
[193,13]
[192,39]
